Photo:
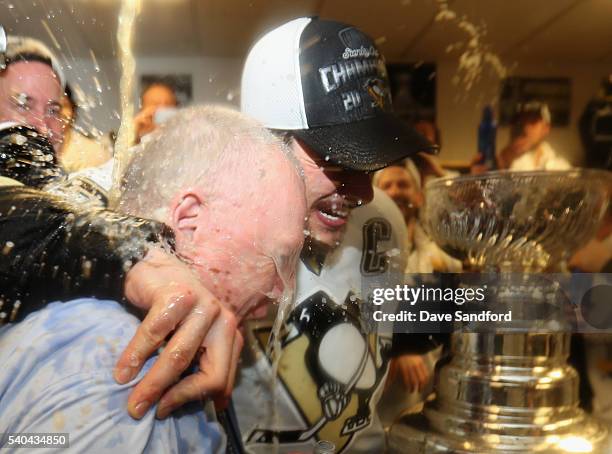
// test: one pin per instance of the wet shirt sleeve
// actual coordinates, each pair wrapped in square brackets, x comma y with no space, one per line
[61,381]
[52,251]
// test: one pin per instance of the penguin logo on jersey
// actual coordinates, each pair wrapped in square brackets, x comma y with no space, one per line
[330,368]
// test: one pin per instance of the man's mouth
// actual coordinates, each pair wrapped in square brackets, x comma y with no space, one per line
[333,214]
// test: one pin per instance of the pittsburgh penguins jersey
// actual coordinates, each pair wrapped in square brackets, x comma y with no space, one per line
[332,368]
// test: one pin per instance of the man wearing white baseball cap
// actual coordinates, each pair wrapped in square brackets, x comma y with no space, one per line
[326,83]
[323,86]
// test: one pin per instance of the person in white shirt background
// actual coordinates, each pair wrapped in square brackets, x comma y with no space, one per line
[528,149]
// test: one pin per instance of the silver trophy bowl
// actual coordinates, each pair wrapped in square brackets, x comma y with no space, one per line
[509,389]
[516,221]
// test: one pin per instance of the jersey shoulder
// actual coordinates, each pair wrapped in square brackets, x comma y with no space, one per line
[381,206]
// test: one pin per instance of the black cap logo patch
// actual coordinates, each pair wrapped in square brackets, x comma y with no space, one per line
[352,40]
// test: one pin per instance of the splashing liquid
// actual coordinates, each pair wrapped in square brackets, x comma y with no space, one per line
[274,352]
[129,12]
[475,53]
[274,347]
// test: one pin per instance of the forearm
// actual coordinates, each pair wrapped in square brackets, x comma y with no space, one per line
[53,252]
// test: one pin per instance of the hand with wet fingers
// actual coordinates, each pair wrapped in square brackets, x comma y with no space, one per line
[178,305]
[216,371]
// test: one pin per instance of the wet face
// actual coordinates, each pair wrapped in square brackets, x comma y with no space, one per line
[401,187]
[245,241]
[331,194]
[30,94]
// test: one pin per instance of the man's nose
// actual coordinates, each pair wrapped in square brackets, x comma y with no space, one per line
[355,186]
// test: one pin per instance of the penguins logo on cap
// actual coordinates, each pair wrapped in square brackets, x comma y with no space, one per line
[377,90]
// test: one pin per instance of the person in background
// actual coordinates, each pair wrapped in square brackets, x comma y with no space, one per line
[31,88]
[596,136]
[594,358]
[595,127]
[155,97]
[78,151]
[403,184]
[158,104]
[591,354]
[528,149]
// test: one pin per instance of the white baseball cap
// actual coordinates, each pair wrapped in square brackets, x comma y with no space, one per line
[326,83]
[24,48]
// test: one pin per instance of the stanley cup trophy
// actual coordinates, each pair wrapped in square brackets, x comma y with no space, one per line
[510,389]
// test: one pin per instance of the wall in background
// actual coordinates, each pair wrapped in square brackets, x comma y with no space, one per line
[215,80]
[459,112]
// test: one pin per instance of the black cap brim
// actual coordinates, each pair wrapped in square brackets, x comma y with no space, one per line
[366,145]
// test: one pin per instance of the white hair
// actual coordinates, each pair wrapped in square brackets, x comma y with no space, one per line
[198,145]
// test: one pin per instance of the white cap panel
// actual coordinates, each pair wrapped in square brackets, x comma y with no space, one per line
[271,90]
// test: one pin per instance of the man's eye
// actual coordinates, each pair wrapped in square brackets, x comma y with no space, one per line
[53,111]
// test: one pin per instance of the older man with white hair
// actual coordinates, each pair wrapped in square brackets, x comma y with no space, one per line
[61,379]
[48,240]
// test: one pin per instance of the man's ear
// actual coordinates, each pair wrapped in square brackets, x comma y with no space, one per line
[187,214]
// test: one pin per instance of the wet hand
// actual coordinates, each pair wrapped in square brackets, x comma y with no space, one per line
[177,303]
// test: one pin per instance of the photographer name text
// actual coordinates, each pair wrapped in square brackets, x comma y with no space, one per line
[457,316]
